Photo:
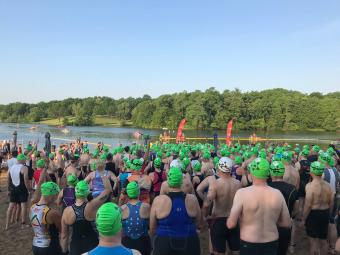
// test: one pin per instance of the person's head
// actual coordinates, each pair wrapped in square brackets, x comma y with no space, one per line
[315,149]
[109,220]
[72,180]
[157,163]
[175,178]
[127,149]
[51,156]
[224,165]
[21,158]
[49,191]
[197,167]
[100,164]
[137,165]
[324,158]
[82,190]
[317,169]
[277,170]
[133,190]
[206,156]
[109,157]
[305,152]
[238,160]
[74,159]
[259,169]
[40,163]
[286,157]
[14,153]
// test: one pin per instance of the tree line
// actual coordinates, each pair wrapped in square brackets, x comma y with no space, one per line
[274,109]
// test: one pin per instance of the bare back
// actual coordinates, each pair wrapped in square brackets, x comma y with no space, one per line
[320,194]
[225,189]
[291,176]
[262,208]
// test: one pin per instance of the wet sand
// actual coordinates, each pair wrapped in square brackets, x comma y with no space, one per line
[18,241]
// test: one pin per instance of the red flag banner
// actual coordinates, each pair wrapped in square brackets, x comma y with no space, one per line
[229,129]
[180,130]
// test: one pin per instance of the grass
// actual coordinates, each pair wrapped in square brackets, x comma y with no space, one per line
[99,120]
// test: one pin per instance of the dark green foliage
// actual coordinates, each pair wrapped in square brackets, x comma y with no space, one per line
[274,109]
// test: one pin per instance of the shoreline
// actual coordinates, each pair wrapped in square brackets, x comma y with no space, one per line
[130,125]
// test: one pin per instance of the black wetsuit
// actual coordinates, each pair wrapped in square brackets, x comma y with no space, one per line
[84,236]
[290,195]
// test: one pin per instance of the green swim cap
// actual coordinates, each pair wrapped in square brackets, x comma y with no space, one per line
[157,162]
[168,154]
[103,156]
[238,160]
[305,152]
[95,153]
[197,166]
[29,147]
[216,160]
[51,155]
[317,168]
[330,151]
[72,180]
[137,164]
[297,150]
[182,155]
[120,149]
[109,219]
[185,162]
[254,151]
[40,163]
[37,154]
[175,177]
[132,190]
[316,148]
[270,149]
[86,150]
[159,154]
[105,148]
[49,189]
[21,157]
[263,154]
[259,168]
[286,156]
[324,158]
[225,152]
[277,169]
[206,155]
[82,189]
[246,155]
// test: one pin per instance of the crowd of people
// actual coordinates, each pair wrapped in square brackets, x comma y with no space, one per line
[157,198]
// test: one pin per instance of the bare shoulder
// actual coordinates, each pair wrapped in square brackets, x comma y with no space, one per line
[190,197]
[145,206]
[135,252]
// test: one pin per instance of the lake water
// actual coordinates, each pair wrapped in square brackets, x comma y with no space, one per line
[125,135]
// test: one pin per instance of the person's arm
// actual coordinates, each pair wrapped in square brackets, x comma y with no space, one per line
[64,236]
[88,178]
[284,220]
[201,187]
[209,199]
[59,201]
[26,180]
[92,206]
[236,210]
[54,217]
[153,216]
[164,188]
[308,203]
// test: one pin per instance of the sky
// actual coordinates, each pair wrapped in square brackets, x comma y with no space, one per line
[120,48]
